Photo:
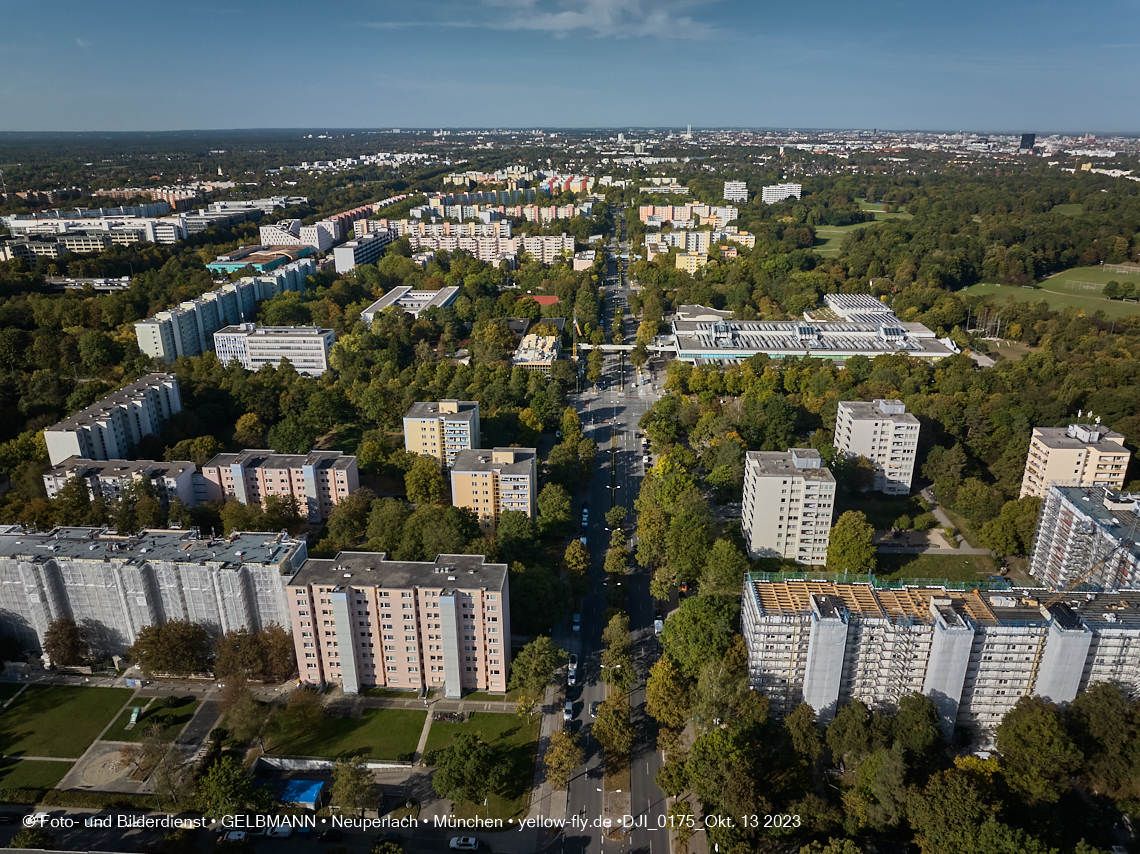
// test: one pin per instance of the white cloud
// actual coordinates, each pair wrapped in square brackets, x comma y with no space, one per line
[616,18]
[83,43]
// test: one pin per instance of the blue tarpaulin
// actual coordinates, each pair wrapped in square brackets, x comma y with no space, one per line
[302,793]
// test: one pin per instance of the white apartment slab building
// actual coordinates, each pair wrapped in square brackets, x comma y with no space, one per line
[778,192]
[1089,535]
[363,249]
[442,429]
[789,499]
[736,191]
[305,347]
[114,585]
[321,236]
[975,654]
[491,482]
[1077,455]
[108,478]
[110,428]
[886,434]
[360,620]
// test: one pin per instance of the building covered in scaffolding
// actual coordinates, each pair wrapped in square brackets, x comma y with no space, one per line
[973,652]
[1087,535]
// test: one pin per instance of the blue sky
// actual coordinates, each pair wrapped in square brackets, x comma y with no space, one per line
[995,65]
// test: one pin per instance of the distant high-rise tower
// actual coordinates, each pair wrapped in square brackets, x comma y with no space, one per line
[1027,140]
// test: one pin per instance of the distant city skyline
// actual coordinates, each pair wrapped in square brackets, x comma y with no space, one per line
[984,67]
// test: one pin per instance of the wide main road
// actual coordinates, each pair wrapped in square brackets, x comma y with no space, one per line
[610,417]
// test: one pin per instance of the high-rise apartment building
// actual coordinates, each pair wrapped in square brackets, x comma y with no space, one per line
[789,498]
[362,620]
[251,346]
[1087,534]
[973,653]
[490,482]
[736,191]
[319,480]
[886,434]
[778,192]
[115,585]
[108,478]
[110,428]
[443,429]
[1077,455]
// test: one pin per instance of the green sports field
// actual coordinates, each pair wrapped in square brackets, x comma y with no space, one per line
[1079,287]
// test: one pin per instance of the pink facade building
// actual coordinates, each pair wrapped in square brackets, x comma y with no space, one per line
[360,620]
[319,480]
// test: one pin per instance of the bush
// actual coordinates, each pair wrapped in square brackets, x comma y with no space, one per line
[21,796]
[99,800]
[951,537]
[430,758]
[925,521]
[904,522]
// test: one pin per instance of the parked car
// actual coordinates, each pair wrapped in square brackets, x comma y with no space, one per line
[577,622]
[658,625]
[573,661]
[281,831]
[463,843]
[8,818]
[594,708]
[232,836]
[568,711]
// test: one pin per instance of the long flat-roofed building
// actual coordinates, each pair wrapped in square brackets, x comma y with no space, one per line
[490,482]
[789,499]
[442,429]
[108,478]
[252,346]
[537,353]
[1087,534]
[319,480]
[110,428]
[973,653]
[1077,455]
[883,432]
[361,620]
[115,585]
[700,341]
[410,302]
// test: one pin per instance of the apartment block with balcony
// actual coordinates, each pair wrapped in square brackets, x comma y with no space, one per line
[1077,455]
[442,429]
[319,480]
[789,499]
[306,348]
[360,620]
[1087,534]
[490,482]
[973,653]
[109,478]
[886,434]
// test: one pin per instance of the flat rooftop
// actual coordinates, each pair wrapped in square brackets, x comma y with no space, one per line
[1086,434]
[252,330]
[100,408]
[80,467]
[430,409]
[737,339]
[97,544]
[474,459]
[267,459]
[864,411]
[779,463]
[368,569]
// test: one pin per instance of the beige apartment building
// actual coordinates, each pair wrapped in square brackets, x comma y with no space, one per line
[319,480]
[360,620]
[1077,455]
[443,429]
[789,498]
[490,482]
[886,434]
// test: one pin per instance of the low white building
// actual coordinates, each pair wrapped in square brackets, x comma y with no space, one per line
[321,236]
[409,301]
[306,347]
[108,478]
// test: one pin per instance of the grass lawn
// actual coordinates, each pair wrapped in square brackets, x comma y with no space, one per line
[515,739]
[58,720]
[509,697]
[1060,291]
[389,693]
[1068,210]
[8,690]
[174,718]
[881,510]
[377,734]
[954,567]
[31,774]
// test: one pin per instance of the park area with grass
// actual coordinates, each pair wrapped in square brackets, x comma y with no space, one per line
[515,740]
[8,690]
[172,717]
[381,734]
[1079,287]
[58,720]
[31,773]
[950,566]
[829,238]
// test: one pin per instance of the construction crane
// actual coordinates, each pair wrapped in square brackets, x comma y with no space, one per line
[1064,591]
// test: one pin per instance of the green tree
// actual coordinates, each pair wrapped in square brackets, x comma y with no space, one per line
[803,731]
[1037,753]
[700,630]
[534,668]
[177,646]
[615,516]
[1100,723]
[65,642]
[852,547]
[689,540]
[290,436]
[424,482]
[554,511]
[724,570]
[225,789]
[1012,531]
[848,735]
[917,727]
[353,789]
[348,521]
[32,837]
[1111,290]
[856,474]
[246,717]
[667,694]
[613,729]
[515,535]
[562,758]
[577,558]
[249,432]
[468,771]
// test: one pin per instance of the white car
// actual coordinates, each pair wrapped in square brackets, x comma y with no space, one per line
[232,836]
[463,843]
[577,623]
[281,831]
